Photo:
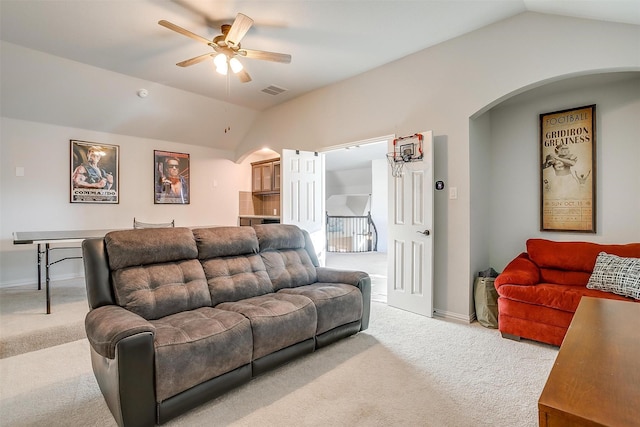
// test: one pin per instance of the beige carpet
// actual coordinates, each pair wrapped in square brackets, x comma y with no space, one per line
[404,370]
[24,324]
[374,263]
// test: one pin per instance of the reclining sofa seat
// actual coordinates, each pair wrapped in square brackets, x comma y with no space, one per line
[292,265]
[181,316]
[283,326]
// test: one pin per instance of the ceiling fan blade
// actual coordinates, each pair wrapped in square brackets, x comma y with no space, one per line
[243,76]
[195,60]
[239,28]
[182,31]
[266,56]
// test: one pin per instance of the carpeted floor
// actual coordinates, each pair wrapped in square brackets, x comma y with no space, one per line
[374,263]
[404,370]
[24,324]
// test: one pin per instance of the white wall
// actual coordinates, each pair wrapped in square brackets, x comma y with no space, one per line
[39,200]
[380,200]
[481,167]
[440,89]
[48,89]
[514,162]
[348,181]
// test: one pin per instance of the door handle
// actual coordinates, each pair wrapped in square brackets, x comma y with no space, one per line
[425,232]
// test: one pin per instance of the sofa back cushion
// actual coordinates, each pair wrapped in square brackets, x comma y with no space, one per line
[225,241]
[232,266]
[127,248]
[282,248]
[574,256]
[563,277]
[156,272]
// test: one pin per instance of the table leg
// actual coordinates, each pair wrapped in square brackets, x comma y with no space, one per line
[39,267]
[46,272]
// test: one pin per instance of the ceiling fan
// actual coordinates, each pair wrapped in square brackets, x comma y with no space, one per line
[226,47]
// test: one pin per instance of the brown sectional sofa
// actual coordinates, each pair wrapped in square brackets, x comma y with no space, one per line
[179,316]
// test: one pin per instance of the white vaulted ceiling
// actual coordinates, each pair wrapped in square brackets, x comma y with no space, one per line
[329,40]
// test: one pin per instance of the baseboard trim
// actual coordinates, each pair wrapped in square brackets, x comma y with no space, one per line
[454,316]
[34,283]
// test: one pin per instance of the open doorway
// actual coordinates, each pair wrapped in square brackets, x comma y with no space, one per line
[356,185]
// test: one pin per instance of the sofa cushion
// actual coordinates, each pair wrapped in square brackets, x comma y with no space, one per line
[283,250]
[337,304]
[194,346]
[574,256]
[127,248]
[277,320]
[279,236]
[560,297]
[158,290]
[616,274]
[236,277]
[520,271]
[232,266]
[225,241]
[289,268]
[564,277]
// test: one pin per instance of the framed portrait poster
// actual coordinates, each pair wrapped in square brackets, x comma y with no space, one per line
[568,170]
[171,178]
[94,172]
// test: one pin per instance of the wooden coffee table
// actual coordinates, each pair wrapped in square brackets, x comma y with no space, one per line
[595,380]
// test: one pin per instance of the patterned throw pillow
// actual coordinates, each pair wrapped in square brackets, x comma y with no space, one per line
[616,274]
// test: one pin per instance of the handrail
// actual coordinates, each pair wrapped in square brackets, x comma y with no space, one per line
[351,233]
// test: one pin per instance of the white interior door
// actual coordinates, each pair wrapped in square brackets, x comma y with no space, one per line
[410,247]
[302,194]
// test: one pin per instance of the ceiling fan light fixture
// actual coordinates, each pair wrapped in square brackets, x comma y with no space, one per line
[220,61]
[226,46]
[236,66]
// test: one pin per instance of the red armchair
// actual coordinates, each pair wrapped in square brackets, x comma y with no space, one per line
[540,289]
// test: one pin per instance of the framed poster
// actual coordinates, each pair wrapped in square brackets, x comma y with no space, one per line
[171,178]
[568,171]
[94,172]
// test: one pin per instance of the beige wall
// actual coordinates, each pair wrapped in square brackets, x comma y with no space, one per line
[39,200]
[514,164]
[441,89]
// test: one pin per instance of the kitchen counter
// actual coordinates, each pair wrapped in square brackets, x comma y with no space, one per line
[258,219]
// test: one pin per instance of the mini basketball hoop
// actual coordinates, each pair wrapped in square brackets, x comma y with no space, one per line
[396,163]
[406,149]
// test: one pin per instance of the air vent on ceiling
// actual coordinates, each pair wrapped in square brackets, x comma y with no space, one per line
[274,90]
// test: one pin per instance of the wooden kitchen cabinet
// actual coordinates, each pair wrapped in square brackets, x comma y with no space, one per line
[250,221]
[276,175]
[266,176]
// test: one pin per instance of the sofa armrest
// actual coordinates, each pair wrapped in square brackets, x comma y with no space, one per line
[520,271]
[359,279]
[107,325]
[333,275]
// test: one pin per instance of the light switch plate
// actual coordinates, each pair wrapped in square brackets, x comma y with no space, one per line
[453,192]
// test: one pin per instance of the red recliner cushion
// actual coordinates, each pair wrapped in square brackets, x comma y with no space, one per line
[574,256]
